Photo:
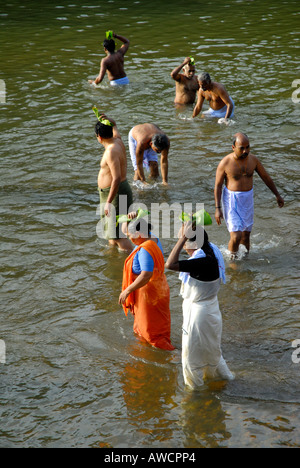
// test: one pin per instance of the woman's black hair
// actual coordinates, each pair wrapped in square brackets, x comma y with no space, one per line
[206,247]
[144,227]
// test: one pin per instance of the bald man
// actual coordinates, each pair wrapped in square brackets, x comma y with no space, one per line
[236,171]
[186,83]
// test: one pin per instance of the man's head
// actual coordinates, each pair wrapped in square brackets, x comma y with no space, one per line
[204,81]
[189,70]
[159,142]
[241,145]
[103,132]
[109,45]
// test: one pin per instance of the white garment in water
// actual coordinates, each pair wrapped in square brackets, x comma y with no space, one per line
[202,333]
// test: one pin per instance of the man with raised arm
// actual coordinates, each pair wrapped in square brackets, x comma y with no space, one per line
[113,63]
[186,83]
[114,189]
[236,171]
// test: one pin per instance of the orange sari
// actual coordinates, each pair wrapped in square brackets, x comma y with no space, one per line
[150,304]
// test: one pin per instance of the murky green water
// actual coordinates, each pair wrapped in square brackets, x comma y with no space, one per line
[75,376]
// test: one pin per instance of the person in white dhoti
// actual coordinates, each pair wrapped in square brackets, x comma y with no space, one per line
[236,170]
[201,276]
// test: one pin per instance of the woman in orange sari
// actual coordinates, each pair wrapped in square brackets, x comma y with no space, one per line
[145,291]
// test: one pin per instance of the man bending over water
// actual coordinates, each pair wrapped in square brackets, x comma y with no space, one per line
[146,141]
[221,104]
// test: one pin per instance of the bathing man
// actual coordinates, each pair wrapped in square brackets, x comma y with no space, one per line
[113,63]
[221,104]
[186,83]
[236,171]
[112,182]
[145,142]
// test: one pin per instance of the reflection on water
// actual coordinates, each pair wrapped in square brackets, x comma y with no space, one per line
[75,374]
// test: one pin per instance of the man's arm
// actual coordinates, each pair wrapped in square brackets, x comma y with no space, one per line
[116,133]
[139,154]
[102,72]
[220,176]
[175,74]
[198,106]
[226,99]
[263,174]
[123,49]
[164,166]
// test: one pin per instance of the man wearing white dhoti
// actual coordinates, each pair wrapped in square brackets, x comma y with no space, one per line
[201,277]
[236,171]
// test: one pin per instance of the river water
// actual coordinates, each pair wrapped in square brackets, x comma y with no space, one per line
[74,373]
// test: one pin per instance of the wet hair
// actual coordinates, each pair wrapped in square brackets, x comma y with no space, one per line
[160,141]
[104,131]
[110,45]
[204,77]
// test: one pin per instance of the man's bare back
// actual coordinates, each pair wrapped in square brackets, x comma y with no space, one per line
[150,136]
[113,63]
[143,134]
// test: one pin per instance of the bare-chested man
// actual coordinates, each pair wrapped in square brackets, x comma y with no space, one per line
[236,171]
[220,103]
[145,142]
[186,83]
[113,63]
[114,189]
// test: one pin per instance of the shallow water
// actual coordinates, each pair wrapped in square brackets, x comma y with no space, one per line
[75,376]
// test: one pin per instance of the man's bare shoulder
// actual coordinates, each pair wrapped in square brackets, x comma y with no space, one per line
[115,150]
[226,160]
[218,86]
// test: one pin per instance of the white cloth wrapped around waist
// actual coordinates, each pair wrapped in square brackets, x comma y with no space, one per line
[238,210]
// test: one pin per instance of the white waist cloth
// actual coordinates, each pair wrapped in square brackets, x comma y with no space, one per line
[120,81]
[221,113]
[149,154]
[238,210]
[202,333]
